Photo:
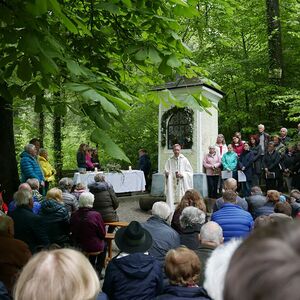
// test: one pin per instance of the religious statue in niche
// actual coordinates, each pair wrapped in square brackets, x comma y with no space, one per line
[179,128]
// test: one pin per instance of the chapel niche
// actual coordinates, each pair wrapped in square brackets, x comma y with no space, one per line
[180,128]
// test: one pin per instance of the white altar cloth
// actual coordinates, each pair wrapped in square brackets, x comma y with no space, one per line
[127,181]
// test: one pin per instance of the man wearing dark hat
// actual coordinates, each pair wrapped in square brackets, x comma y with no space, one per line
[133,273]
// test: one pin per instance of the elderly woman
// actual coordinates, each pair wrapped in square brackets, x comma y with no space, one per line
[58,274]
[70,201]
[88,231]
[55,218]
[106,201]
[191,220]
[46,167]
[182,267]
[212,163]
[190,198]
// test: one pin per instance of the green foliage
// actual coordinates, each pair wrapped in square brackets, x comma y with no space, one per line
[86,51]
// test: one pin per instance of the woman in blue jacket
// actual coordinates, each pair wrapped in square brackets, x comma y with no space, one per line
[230,161]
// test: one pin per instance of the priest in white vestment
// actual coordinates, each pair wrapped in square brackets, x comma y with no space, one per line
[179,177]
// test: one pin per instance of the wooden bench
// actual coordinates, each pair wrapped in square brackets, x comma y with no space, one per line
[109,237]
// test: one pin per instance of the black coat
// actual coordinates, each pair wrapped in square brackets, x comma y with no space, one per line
[29,228]
[175,292]
[81,160]
[106,201]
[203,252]
[189,236]
[56,219]
[246,160]
[271,162]
[257,162]
[145,164]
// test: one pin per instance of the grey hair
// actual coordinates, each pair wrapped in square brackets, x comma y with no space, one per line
[190,216]
[212,147]
[99,178]
[211,232]
[34,183]
[216,268]
[86,199]
[283,128]
[22,197]
[65,184]
[42,151]
[28,147]
[261,125]
[161,209]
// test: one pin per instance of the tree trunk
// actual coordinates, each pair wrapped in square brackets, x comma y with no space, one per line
[274,42]
[41,128]
[57,146]
[9,178]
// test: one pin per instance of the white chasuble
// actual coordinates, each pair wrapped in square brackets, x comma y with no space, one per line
[175,188]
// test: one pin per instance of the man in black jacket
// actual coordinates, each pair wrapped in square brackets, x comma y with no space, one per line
[272,169]
[28,226]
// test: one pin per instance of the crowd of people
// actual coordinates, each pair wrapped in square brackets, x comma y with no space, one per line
[52,239]
[273,161]
[196,252]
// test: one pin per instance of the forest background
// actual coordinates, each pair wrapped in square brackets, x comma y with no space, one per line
[81,71]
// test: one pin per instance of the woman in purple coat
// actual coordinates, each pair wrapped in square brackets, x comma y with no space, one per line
[88,230]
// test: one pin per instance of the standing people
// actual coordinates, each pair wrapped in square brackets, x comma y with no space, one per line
[95,158]
[81,158]
[272,169]
[179,176]
[279,146]
[296,168]
[29,166]
[145,165]
[256,149]
[88,159]
[212,164]
[221,147]
[264,138]
[287,163]
[245,164]
[283,136]
[47,169]
[238,145]
[230,160]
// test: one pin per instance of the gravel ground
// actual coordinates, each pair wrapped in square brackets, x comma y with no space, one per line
[129,210]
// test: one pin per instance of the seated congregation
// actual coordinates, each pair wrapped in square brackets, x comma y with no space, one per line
[56,249]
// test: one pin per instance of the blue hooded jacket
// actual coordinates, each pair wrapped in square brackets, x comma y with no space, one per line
[175,292]
[136,276]
[30,167]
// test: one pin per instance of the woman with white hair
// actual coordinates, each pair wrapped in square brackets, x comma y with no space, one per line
[88,231]
[191,221]
[58,274]
[212,164]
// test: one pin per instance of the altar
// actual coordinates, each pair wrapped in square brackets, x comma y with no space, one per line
[122,182]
